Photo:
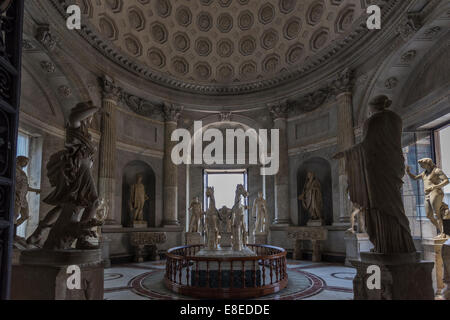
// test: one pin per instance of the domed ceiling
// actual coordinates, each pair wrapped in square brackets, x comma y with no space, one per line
[221,43]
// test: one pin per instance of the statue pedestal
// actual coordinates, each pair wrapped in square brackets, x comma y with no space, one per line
[141,240]
[433,252]
[355,243]
[225,240]
[194,238]
[403,277]
[261,238]
[140,224]
[43,275]
[314,234]
[446,269]
[104,245]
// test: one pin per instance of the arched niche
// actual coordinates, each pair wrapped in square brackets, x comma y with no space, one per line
[130,172]
[322,170]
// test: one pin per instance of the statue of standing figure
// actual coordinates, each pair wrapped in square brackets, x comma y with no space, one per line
[259,211]
[138,197]
[22,188]
[196,215]
[434,180]
[357,220]
[74,197]
[211,221]
[375,169]
[238,230]
[312,197]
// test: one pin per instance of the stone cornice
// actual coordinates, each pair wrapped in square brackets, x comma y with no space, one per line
[172,112]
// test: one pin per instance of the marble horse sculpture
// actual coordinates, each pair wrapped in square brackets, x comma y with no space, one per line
[239,232]
[211,221]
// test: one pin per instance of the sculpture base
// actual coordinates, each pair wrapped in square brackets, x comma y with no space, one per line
[355,243]
[433,252]
[194,238]
[45,275]
[314,223]
[314,234]
[225,240]
[140,224]
[403,277]
[260,238]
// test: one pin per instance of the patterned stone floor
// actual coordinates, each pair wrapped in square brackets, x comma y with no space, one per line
[307,280]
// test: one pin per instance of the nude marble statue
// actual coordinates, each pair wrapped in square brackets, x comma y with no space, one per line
[211,221]
[311,197]
[375,169]
[21,210]
[259,211]
[434,180]
[74,196]
[357,220]
[196,215]
[138,198]
[238,229]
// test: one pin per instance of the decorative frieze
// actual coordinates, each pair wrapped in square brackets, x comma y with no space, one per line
[46,37]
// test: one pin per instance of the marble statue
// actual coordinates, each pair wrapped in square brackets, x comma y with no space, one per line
[22,188]
[101,214]
[259,211]
[357,220]
[225,219]
[434,180]
[74,197]
[138,197]
[238,230]
[375,168]
[311,197]
[211,221]
[196,215]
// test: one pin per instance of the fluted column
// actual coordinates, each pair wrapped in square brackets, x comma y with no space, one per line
[345,137]
[281,188]
[107,151]
[172,114]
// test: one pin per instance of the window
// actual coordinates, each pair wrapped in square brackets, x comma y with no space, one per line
[442,147]
[224,183]
[23,149]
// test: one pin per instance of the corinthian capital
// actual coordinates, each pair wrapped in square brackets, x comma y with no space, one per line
[279,110]
[344,82]
[110,90]
[172,113]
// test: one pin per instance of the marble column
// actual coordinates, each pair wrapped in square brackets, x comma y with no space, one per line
[282,213]
[345,137]
[170,219]
[107,151]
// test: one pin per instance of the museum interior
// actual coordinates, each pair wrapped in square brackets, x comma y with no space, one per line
[226,149]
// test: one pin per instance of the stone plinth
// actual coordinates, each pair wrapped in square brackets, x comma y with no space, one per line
[314,234]
[236,273]
[446,269]
[140,224]
[43,275]
[194,238]
[141,240]
[403,277]
[261,238]
[355,243]
[104,246]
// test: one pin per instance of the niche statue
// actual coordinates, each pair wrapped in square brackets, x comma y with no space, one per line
[259,211]
[138,197]
[375,168]
[434,180]
[22,188]
[75,195]
[196,215]
[312,197]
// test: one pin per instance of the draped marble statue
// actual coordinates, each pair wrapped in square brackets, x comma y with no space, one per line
[211,221]
[138,198]
[434,180]
[238,229]
[259,211]
[75,195]
[375,168]
[196,215]
[311,197]
[21,210]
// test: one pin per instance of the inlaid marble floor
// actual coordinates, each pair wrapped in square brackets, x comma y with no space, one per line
[307,280]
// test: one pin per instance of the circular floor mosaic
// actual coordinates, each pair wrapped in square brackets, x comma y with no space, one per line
[301,285]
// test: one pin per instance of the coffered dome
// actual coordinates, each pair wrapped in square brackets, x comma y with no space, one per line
[216,44]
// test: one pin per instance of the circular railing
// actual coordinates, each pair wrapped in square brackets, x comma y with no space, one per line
[226,277]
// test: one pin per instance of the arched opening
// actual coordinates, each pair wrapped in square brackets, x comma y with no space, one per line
[322,170]
[130,173]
